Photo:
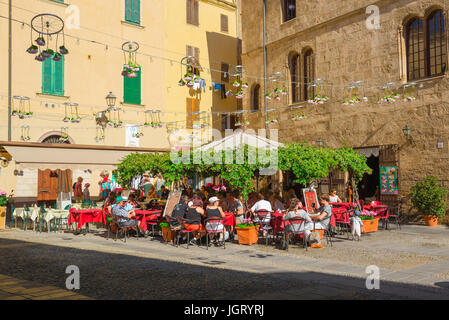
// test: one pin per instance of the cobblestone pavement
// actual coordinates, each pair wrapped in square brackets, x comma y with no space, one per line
[147,269]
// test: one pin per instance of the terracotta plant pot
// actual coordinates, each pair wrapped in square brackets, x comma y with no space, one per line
[2,217]
[321,233]
[370,226]
[167,234]
[247,236]
[431,221]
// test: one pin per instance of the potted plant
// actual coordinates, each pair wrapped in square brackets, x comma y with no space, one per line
[3,203]
[40,41]
[277,98]
[29,114]
[32,49]
[63,50]
[247,232]
[370,222]
[229,93]
[48,53]
[428,197]
[197,79]
[167,234]
[57,57]
[236,84]
[181,83]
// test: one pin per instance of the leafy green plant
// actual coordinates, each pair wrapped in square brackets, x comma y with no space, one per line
[428,197]
[3,199]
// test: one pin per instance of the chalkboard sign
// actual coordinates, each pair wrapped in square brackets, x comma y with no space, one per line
[310,198]
[173,199]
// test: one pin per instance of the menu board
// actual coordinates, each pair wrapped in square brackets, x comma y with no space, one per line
[310,199]
[173,199]
[389,180]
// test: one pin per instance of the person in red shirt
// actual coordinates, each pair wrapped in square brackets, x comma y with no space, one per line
[78,190]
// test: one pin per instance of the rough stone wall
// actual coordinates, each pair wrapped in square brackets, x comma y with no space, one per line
[346,51]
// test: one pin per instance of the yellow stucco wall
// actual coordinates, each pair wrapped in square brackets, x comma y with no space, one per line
[92,70]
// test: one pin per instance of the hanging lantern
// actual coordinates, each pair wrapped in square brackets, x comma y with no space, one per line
[47,25]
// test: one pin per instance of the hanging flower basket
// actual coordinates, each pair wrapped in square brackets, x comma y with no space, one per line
[28,114]
[187,77]
[277,98]
[111,123]
[21,115]
[197,79]
[229,93]
[48,53]
[239,94]
[236,84]
[318,99]
[284,92]
[204,125]
[78,119]
[33,49]
[66,119]
[160,125]
[365,99]
[268,96]
[190,84]
[40,57]
[245,85]
[40,41]
[14,113]
[181,83]
[277,91]
[146,124]
[63,50]
[57,57]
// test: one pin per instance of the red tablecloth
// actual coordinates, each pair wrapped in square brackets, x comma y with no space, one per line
[83,216]
[277,222]
[229,219]
[346,205]
[147,216]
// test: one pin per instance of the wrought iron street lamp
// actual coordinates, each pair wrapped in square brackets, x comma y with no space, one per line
[110,100]
[320,143]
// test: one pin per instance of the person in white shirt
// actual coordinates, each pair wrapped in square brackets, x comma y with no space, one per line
[261,205]
[333,197]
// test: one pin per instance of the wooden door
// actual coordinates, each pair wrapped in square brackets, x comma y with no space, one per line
[389,157]
[47,185]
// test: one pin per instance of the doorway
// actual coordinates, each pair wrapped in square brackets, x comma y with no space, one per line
[368,187]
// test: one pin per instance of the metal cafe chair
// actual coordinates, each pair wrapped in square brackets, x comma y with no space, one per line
[188,232]
[264,223]
[216,221]
[174,227]
[382,214]
[295,227]
[394,212]
[11,216]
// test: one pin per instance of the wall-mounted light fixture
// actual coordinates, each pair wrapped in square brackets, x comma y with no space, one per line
[408,133]
[440,143]
[320,143]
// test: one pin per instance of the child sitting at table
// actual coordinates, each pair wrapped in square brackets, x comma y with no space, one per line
[356,225]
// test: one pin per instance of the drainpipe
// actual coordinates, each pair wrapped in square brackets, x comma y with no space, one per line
[265,64]
[9,68]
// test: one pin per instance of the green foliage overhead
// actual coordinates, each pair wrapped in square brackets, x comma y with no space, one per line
[428,197]
[308,163]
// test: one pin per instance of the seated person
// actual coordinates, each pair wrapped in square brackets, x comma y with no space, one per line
[235,206]
[164,192]
[321,221]
[152,194]
[214,210]
[252,199]
[223,201]
[295,211]
[132,201]
[263,206]
[179,211]
[276,204]
[124,215]
[194,214]
[333,197]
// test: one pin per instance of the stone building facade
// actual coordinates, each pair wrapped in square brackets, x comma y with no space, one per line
[339,42]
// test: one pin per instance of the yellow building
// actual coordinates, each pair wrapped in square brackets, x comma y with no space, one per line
[77,85]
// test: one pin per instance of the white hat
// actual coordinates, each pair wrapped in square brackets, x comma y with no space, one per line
[213,199]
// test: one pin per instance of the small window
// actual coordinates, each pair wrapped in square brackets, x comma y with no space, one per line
[192,105]
[228,121]
[224,72]
[288,10]
[224,23]
[294,66]
[194,52]
[132,11]
[308,75]
[192,12]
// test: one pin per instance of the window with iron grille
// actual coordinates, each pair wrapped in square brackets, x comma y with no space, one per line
[224,72]
[425,43]
[288,10]
[192,12]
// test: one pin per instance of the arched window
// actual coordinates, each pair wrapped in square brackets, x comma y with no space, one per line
[255,98]
[436,44]
[426,46]
[54,139]
[288,10]
[308,74]
[415,49]
[294,65]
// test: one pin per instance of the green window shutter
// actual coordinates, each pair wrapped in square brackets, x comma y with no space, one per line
[58,78]
[46,76]
[132,11]
[132,89]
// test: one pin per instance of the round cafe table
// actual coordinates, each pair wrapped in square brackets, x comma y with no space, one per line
[147,217]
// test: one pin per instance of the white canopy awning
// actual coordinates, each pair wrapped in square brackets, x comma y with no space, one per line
[241,138]
[368,152]
[38,156]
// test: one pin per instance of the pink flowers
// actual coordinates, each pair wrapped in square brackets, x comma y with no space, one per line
[3,193]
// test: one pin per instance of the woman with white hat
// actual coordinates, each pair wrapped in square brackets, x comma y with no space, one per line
[213,210]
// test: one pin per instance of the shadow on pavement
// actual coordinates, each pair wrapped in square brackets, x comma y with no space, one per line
[121,276]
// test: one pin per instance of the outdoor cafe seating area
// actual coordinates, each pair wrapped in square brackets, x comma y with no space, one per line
[155,221]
